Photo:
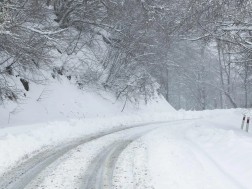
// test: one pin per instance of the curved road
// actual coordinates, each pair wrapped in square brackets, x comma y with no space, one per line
[100,171]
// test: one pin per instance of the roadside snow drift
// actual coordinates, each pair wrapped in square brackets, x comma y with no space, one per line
[61,100]
[60,112]
[210,153]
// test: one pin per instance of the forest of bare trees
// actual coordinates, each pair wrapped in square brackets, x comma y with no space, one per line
[196,53]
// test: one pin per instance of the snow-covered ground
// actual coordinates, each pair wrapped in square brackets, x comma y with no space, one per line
[205,150]
[211,153]
[59,112]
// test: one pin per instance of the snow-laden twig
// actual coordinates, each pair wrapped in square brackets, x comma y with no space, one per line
[46,32]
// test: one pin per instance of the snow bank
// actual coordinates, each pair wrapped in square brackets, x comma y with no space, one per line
[212,152]
[62,100]
[20,141]
[58,112]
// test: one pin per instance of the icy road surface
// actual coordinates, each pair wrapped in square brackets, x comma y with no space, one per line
[175,155]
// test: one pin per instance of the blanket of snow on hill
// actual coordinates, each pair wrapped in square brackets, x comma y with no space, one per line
[59,111]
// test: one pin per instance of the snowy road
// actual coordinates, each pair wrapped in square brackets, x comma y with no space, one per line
[177,154]
[28,174]
[100,173]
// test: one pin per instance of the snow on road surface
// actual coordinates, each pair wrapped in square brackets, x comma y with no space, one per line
[65,167]
[198,155]
[210,152]
[177,160]
[82,167]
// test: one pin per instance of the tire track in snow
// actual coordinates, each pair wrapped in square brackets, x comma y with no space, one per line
[21,175]
[100,171]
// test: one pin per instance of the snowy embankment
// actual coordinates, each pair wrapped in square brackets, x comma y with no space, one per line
[21,141]
[212,153]
[60,112]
